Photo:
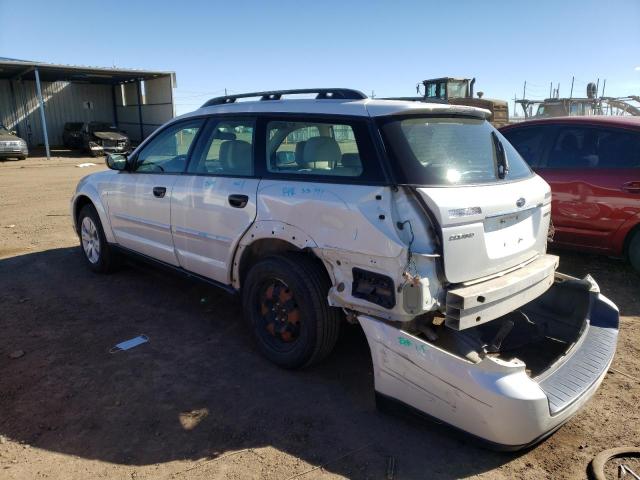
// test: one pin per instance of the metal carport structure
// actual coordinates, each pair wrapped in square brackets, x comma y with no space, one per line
[37,99]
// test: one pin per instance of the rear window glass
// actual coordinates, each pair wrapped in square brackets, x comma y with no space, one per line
[313,148]
[448,151]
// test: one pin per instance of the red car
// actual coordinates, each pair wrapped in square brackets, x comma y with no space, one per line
[593,167]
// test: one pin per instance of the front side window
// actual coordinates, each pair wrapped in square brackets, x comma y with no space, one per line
[228,149]
[618,149]
[449,151]
[590,147]
[167,152]
[313,148]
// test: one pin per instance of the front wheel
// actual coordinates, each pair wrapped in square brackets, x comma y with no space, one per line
[99,255]
[284,300]
[634,251]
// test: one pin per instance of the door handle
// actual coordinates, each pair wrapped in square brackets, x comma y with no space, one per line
[159,192]
[238,201]
[631,187]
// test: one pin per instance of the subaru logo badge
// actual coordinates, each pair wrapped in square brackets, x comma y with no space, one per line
[520,203]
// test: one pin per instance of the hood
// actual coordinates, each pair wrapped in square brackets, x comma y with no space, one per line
[7,137]
[110,135]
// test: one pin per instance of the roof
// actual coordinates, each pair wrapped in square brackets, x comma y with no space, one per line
[50,72]
[360,108]
[597,120]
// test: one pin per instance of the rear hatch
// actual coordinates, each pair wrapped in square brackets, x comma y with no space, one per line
[493,212]
[487,229]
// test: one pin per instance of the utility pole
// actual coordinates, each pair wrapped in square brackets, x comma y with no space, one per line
[225,91]
[550,89]
[373,94]
[571,94]
[524,90]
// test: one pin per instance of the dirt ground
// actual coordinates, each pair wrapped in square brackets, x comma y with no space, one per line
[198,401]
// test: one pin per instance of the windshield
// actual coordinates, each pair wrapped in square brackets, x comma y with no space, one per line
[102,127]
[450,151]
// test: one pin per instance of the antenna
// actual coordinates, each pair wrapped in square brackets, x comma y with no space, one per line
[604,84]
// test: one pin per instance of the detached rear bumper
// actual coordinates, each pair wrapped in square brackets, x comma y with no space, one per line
[473,305]
[493,400]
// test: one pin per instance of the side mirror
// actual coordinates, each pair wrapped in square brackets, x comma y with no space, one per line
[117,161]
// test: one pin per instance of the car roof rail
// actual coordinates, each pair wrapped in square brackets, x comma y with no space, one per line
[321,94]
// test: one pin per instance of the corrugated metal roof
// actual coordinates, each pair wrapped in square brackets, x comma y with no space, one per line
[50,72]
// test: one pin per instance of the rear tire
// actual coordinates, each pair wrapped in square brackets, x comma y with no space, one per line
[634,251]
[284,300]
[99,255]
[22,158]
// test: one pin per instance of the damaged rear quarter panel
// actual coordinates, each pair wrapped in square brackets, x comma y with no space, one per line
[347,226]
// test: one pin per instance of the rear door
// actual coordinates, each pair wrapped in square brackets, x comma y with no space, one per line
[140,200]
[594,176]
[215,202]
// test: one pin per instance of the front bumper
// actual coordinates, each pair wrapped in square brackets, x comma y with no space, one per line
[6,152]
[493,400]
[110,148]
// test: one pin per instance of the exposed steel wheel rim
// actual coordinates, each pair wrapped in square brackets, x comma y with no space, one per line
[279,311]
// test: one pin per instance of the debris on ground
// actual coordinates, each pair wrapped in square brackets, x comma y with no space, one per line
[10,226]
[599,461]
[128,344]
[16,354]
[623,470]
[84,165]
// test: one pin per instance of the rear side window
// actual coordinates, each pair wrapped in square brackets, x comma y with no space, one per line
[529,142]
[313,148]
[227,149]
[591,147]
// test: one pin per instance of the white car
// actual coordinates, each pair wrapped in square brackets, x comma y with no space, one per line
[419,221]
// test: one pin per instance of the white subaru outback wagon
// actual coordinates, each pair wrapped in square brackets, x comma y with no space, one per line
[419,221]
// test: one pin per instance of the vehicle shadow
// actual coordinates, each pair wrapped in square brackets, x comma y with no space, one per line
[198,389]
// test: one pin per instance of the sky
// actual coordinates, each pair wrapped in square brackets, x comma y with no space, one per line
[385,47]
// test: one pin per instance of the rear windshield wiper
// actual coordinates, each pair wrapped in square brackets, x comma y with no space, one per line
[503,163]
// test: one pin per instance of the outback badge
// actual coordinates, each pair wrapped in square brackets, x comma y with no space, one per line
[460,236]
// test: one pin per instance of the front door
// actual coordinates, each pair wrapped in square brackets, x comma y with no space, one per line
[215,203]
[139,200]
